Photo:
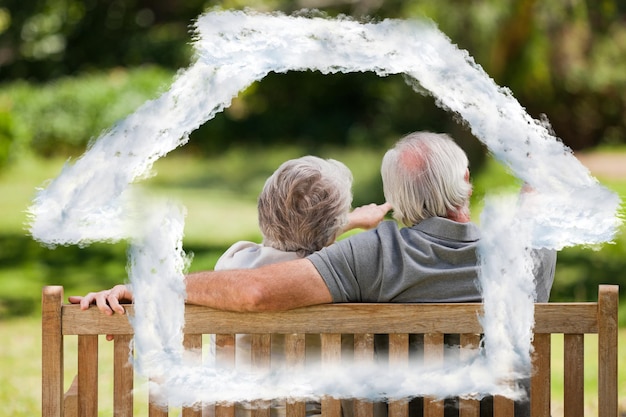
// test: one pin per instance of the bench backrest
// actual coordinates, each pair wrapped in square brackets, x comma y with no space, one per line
[362,321]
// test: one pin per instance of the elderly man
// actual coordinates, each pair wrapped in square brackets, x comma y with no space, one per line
[432,259]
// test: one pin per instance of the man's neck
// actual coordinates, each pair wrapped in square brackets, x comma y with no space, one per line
[460,216]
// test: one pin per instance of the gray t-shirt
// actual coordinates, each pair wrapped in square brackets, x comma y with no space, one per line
[433,261]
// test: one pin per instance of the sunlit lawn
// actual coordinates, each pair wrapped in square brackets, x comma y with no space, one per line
[221,212]
[219,193]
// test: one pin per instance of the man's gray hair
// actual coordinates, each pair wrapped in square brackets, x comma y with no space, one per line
[304,205]
[424,175]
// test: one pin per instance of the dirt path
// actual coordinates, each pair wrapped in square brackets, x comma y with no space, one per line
[605,165]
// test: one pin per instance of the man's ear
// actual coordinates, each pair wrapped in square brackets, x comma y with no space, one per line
[467,179]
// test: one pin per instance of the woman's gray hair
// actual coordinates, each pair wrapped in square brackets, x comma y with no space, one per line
[424,175]
[304,204]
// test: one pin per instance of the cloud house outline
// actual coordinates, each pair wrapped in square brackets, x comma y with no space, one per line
[95,198]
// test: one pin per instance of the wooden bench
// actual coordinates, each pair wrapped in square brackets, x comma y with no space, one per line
[574,320]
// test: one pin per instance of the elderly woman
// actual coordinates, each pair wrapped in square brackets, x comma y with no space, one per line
[303,207]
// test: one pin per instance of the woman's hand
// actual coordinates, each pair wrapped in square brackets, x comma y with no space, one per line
[367,217]
[108,301]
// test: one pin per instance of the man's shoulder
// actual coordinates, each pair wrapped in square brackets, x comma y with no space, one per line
[385,231]
[387,227]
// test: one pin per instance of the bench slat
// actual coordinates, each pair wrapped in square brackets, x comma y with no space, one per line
[469,407]
[261,346]
[363,351]
[341,318]
[261,351]
[503,407]
[398,356]
[295,358]
[566,318]
[574,378]
[88,375]
[156,411]
[52,352]
[607,350]
[433,355]
[225,357]
[193,342]
[123,374]
[540,380]
[331,355]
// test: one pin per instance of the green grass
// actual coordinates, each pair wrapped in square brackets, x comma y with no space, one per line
[222,211]
[18,184]
[219,193]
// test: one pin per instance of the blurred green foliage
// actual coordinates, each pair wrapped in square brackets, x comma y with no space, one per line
[46,39]
[564,60]
[60,117]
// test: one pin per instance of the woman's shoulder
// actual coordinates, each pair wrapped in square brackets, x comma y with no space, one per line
[231,258]
[246,254]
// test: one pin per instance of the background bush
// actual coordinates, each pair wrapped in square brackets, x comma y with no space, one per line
[562,60]
[62,116]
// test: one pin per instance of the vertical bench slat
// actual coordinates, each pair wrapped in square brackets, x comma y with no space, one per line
[193,342]
[363,351]
[503,407]
[331,355]
[574,378]
[607,350]
[295,358]
[433,354]
[51,352]
[261,352]
[540,379]
[123,374]
[398,356]
[469,407]
[155,410]
[88,375]
[225,357]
